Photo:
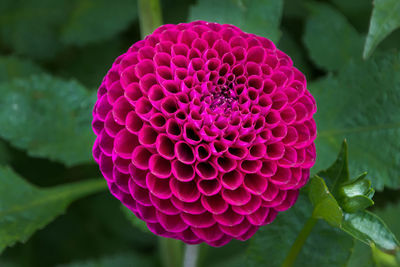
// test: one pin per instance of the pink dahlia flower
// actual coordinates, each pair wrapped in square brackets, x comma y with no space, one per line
[204,132]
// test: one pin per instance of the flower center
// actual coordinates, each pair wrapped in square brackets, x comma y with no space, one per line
[223,98]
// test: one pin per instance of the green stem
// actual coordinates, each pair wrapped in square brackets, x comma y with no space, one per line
[299,242]
[191,255]
[170,252]
[150,16]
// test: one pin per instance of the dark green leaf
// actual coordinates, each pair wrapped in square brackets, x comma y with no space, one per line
[261,17]
[361,104]
[357,12]
[291,46]
[25,208]
[325,205]
[85,64]
[13,67]
[385,19]
[96,20]
[120,260]
[48,117]
[31,27]
[4,153]
[369,228]
[361,256]
[390,214]
[325,246]
[330,39]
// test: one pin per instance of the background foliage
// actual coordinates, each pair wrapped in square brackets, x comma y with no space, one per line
[53,55]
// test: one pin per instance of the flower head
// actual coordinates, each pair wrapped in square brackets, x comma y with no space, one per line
[204,132]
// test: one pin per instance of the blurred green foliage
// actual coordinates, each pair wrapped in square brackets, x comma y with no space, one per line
[53,56]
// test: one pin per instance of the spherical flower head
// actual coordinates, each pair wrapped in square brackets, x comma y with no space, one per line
[204,132]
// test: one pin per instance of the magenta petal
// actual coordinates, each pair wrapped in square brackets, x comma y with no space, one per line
[171,223]
[158,187]
[184,191]
[208,234]
[202,220]
[239,196]
[236,230]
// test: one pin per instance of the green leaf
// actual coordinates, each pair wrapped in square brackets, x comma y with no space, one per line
[31,27]
[338,172]
[25,208]
[325,205]
[4,153]
[135,221]
[361,256]
[291,46]
[356,195]
[357,12]
[385,19]
[390,214]
[330,39]
[261,17]
[13,67]
[369,228]
[85,65]
[325,246]
[96,20]
[356,203]
[121,260]
[48,117]
[361,104]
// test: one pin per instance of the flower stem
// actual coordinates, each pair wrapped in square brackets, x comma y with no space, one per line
[299,242]
[191,255]
[150,16]
[170,252]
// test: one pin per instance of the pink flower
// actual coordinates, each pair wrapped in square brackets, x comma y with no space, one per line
[204,132]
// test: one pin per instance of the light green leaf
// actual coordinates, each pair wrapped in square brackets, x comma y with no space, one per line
[96,20]
[120,260]
[325,205]
[385,19]
[31,27]
[330,39]
[261,17]
[356,203]
[25,208]
[48,117]
[13,67]
[325,246]
[369,228]
[356,195]
[383,259]
[361,104]
[135,221]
